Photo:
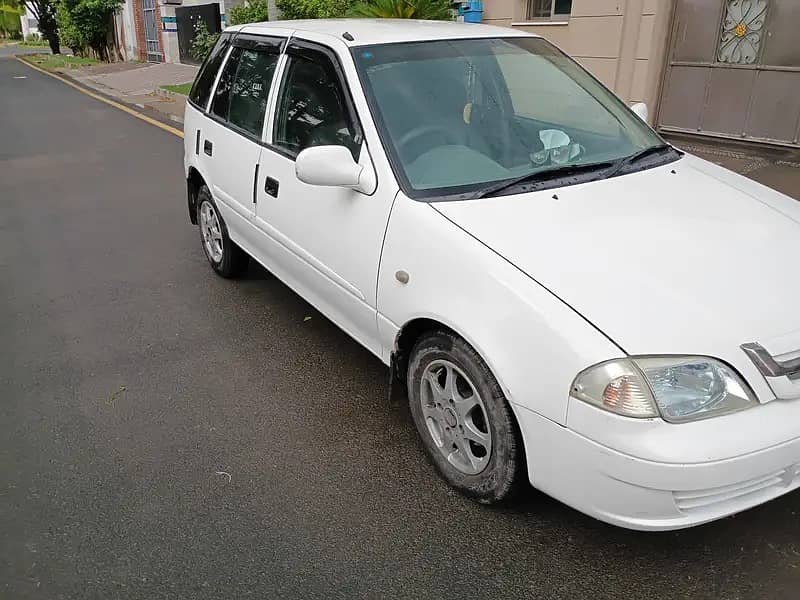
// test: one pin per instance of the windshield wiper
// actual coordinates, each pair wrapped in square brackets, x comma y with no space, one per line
[545,175]
[629,160]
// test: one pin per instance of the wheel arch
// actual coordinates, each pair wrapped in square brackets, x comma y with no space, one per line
[408,335]
[413,330]
[194,181]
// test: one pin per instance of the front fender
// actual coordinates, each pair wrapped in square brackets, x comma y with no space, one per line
[532,341]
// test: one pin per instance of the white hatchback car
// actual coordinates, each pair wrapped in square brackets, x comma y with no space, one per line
[565,295]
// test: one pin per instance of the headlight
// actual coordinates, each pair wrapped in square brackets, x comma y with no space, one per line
[678,388]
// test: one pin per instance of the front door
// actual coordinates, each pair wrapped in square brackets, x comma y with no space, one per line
[231,140]
[327,240]
[734,70]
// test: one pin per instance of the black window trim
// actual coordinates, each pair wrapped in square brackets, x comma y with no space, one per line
[309,50]
[290,46]
[249,41]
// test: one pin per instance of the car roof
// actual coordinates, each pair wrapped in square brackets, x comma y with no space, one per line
[385,31]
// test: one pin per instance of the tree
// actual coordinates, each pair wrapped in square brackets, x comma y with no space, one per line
[312,9]
[403,9]
[253,11]
[9,20]
[202,42]
[89,24]
[45,13]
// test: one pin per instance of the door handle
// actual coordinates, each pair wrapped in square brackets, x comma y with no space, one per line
[271,187]
[208,147]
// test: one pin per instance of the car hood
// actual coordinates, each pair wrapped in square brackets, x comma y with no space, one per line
[687,258]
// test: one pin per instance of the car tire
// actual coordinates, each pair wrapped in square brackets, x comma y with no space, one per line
[225,256]
[456,434]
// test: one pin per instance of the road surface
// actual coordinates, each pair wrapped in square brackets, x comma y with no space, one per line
[165,433]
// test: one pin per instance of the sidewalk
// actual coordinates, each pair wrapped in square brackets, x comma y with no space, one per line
[775,167]
[140,84]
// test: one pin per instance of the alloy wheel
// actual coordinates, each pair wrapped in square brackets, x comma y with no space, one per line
[212,233]
[456,417]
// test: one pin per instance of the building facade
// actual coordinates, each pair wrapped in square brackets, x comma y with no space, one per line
[162,30]
[728,68]
[29,24]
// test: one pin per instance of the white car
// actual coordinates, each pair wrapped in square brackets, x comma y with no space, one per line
[568,298]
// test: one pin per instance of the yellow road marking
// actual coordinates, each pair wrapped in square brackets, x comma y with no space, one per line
[122,107]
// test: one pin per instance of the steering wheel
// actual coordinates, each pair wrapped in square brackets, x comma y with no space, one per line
[424,130]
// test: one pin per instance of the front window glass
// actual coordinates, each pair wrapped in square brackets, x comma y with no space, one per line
[312,110]
[457,115]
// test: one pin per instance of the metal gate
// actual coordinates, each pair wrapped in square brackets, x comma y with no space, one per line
[151,39]
[187,18]
[734,70]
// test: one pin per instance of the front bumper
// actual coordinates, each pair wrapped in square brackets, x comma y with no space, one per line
[649,495]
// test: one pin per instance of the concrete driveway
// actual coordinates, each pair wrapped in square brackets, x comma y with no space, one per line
[165,433]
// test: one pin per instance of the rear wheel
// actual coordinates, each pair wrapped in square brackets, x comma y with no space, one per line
[463,418]
[226,258]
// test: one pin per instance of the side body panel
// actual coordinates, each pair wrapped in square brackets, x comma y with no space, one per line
[533,342]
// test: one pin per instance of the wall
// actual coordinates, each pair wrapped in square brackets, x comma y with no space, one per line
[622,42]
[124,21]
[28,23]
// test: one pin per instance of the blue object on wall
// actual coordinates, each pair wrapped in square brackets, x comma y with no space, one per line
[471,11]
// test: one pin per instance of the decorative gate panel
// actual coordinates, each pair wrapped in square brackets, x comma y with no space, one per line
[734,70]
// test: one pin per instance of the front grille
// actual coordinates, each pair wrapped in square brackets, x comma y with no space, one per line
[744,493]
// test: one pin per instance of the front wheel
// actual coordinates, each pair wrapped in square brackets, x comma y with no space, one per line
[463,418]
[226,258]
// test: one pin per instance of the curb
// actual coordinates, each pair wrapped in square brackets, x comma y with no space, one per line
[172,95]
[162,116]
[137,110]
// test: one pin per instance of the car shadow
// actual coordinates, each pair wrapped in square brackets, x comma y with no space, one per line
[765,535]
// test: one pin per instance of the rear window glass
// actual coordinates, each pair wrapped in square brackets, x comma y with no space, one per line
[250,88]
[208,72]
[222,93]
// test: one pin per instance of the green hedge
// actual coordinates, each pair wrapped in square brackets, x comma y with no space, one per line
[312,9]
[10,25]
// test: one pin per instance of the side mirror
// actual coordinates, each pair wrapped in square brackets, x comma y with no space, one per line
[331,166]
[640,110]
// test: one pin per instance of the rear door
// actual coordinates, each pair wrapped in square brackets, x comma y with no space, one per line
[232,135]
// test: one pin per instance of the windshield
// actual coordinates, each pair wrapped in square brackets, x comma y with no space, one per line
[457,116]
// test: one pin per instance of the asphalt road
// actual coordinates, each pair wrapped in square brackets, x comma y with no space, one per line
[132,379]
[12,49]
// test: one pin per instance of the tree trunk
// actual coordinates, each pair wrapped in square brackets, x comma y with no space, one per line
[48,27]
[55,46]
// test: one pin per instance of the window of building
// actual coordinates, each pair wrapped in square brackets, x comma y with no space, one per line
[549,10]
[312,110]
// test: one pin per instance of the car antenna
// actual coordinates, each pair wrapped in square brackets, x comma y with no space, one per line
[348,36]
